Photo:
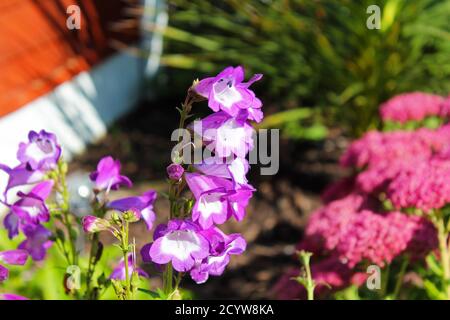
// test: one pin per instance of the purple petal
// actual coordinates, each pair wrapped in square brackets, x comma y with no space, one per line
[180,246]
[4,273]
[11,223]
[40,152]
[200,273]
[198,184]
[10,296]
[204,86]
[14,257]
[252,80]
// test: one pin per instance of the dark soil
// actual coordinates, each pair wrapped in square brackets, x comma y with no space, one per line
[276,215]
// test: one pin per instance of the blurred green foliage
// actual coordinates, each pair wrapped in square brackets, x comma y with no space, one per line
[318,54]
[45,280]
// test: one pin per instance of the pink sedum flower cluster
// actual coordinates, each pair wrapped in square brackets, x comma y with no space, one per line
[424,186]
[414,106]
[404,171]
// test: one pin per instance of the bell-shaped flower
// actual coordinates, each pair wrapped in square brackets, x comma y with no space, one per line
[225,135]
[229,93]
[30,207]
[41,152]
[107,176]
[180,242]
[211,204]
[20,175]
[143,204]
[239,199]
[37,242]
[217,199]
[221,247]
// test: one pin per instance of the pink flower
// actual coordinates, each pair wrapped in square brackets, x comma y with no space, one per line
[411,106]
[179,242]
[424,186]
[225,135]
[143,205]
[107,176]
[227,92]
[328,224]
[41,152]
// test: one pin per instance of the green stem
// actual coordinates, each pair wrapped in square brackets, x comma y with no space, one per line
[307,281]
[125,250]
[65,212]
[174,192]
[385,281]
[400,276]
[100,212]
[92,264]
[168,279]
[445,256]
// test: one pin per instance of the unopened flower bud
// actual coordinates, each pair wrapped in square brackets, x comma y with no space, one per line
[132,215]
[175,171]
[93,224]
[115,217]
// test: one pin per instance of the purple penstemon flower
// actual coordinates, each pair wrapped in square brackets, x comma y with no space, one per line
[227,92]
[40,152]
[211,204]
[119,272]
[179,242]
[20,175]
[225,135]
[217,199]
[143,204]
[239,199]
[221,247]
[37,242]
[31,208]
[107,176]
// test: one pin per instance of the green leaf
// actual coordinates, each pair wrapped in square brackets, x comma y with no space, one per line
[432,291]
[153,294]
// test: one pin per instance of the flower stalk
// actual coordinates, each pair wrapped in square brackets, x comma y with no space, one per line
[444,251]
[306,280]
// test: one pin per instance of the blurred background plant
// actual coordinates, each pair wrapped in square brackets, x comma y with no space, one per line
[322,65]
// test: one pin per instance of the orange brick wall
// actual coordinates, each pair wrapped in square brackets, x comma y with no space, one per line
[38,52]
